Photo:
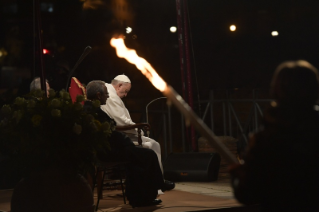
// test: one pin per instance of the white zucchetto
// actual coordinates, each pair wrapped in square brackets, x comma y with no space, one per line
[122,78]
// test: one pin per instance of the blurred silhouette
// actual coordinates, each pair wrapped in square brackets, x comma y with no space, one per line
[280,170]
[59,77]
[36,84]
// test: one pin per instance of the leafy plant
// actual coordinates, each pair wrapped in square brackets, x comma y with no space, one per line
[40,132]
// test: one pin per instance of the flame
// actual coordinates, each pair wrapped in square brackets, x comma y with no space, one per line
[141,64]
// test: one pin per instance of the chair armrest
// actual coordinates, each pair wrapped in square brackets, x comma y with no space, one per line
[139,127]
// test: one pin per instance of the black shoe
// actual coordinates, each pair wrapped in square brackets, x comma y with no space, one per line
[156,202]
[168,185]
[141,204]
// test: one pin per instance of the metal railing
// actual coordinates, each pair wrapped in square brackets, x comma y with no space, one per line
[237,121]
[228,110]
[226,115]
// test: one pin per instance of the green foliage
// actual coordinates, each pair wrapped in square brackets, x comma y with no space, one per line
[40,132]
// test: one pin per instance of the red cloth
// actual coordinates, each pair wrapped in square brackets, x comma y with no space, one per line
[76,88]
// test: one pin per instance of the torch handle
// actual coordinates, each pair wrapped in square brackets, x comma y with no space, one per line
[199,125]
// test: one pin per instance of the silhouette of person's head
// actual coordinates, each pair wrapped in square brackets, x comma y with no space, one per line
[295,83]
[36,84]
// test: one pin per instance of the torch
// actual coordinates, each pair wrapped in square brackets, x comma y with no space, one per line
[173,97]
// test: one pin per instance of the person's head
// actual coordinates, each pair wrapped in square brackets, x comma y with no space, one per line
[295,83]
[36,84]
[96,90]
[122,85]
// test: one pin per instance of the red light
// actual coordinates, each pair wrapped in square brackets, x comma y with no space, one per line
[45,51]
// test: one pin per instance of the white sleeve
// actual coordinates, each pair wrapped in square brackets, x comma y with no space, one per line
[116,110]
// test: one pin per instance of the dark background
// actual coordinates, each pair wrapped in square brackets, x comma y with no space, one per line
[220,59]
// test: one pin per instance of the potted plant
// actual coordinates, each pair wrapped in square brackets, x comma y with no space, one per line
[48,138]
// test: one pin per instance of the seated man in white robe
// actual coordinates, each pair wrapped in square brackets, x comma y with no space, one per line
[115,108]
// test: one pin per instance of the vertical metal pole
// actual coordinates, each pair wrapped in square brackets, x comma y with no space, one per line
[183,38]
[183,132]
[188,73]
[180,31]
[229,113]
[205,112]
[231,108]
[40,43]
[181,44]
[224,118]
[34,41]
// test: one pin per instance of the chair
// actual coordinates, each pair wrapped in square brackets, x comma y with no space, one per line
[106,169]
[76,88]
[116,167]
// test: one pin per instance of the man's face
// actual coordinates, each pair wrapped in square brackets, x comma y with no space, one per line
[123,89]
[103,96]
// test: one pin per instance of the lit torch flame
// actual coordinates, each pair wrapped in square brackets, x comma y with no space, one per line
[130,55]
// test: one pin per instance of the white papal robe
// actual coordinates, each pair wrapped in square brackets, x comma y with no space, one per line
[116,109]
